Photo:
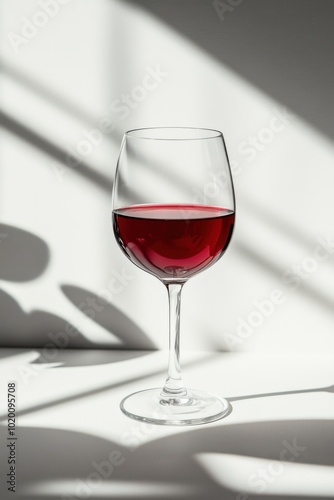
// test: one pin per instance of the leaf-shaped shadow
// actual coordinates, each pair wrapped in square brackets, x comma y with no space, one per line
[35,329]
[46,332]
[111,318]
[23,255]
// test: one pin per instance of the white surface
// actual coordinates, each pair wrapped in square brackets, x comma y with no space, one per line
[69,417]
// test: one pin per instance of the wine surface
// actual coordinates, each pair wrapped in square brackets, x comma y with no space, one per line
[173,242]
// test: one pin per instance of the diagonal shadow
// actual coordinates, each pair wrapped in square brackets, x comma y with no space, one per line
[329,389]
[53,97]
[285,226]
[36,87]
[283,48]
[107,387]
[92,392]
[54,151]
[305,288]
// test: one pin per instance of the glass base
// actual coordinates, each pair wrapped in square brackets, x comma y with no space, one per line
[196,407]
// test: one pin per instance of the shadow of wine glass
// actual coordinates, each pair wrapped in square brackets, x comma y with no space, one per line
[329,389]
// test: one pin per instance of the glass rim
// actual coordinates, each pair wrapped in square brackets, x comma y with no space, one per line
[143,133]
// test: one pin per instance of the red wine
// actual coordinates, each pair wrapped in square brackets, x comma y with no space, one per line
[173,241]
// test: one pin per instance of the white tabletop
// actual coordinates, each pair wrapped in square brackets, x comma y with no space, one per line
[74,442]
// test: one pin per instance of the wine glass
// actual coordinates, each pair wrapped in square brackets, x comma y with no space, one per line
[173,216]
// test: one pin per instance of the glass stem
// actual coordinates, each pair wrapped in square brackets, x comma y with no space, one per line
[174,384]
